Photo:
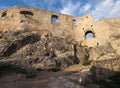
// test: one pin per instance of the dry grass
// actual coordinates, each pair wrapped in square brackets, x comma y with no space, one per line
[77,67]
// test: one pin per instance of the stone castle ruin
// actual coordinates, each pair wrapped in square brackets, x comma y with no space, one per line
[57,24]
[35,39]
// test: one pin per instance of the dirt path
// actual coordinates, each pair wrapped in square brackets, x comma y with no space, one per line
[70,78]
[42,80]
[19,81]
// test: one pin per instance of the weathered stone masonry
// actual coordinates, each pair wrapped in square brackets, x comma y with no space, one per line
[57,24]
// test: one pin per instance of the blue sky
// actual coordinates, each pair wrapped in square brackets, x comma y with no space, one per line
[98,8]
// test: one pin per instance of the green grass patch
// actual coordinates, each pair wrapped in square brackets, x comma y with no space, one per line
[87,62]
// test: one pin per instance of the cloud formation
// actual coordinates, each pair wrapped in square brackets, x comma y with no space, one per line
[106,9]
[70,8]
[98,8]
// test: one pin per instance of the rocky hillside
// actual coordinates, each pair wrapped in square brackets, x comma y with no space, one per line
[28,48]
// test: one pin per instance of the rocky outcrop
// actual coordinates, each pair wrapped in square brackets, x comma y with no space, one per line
[104,69]
[12,41]
[28,48]
[102,52]
[82,53]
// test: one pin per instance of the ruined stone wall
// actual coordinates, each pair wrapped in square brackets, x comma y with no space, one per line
[36,19]
[18,18]
[100,30]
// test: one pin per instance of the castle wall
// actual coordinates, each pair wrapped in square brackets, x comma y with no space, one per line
[40,20]
[17,18]
[41,16]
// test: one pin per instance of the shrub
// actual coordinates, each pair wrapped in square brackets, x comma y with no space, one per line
[87,62]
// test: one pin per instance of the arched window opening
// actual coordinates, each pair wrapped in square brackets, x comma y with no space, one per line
[27,13]
[74,22]
[89,35]
[4,14]
[54,19]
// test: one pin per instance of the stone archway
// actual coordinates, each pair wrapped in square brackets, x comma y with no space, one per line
[54,18]
[89,34]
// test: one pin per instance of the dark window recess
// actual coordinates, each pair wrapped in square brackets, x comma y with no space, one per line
[89,35]
[22,21]
[74,22]
[26,13]
[54,19]
[91,25]
[4,14]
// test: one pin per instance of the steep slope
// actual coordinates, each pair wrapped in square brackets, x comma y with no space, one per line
[28,48]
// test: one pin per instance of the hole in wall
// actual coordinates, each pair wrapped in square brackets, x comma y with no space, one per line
[86,16]
[22,21]
[89,35]
[27,13]
[73,22]
[54,18]
[4,14]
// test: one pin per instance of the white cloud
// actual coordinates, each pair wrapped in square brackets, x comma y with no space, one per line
[98,8]
[115,11]
[85,8]
[70,8]
[106,9]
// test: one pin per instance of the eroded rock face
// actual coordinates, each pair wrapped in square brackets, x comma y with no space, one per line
[12,41]
[103,52]
[27,48]
[82,53]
